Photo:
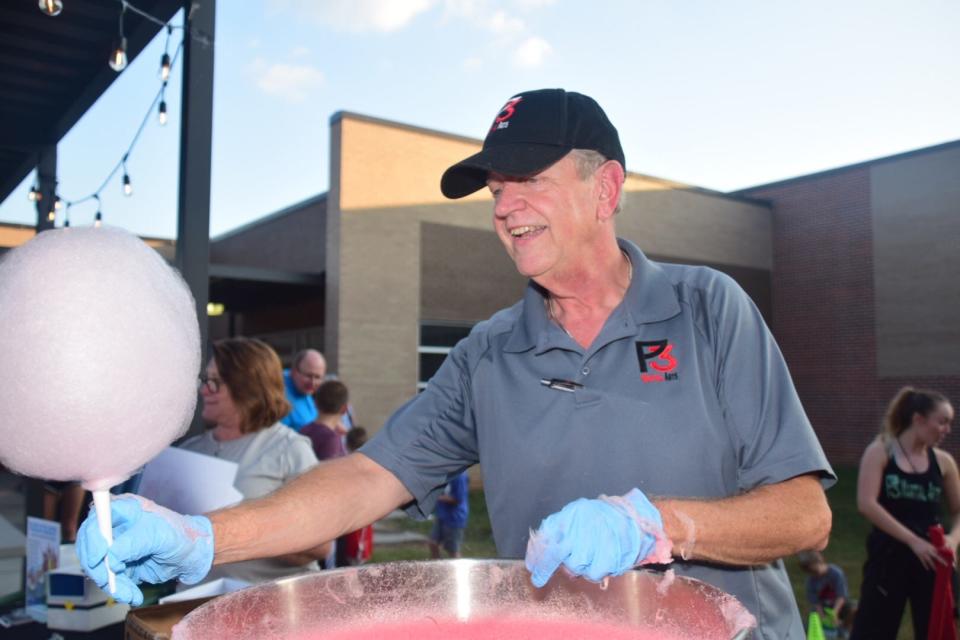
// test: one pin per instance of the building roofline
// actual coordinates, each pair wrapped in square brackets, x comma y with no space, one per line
[158,240]
[18,225]
[850,167]
[270,217]
[340,115]
[257,274]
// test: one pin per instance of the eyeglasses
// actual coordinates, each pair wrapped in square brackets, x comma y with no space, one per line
[311,376]
[210,384]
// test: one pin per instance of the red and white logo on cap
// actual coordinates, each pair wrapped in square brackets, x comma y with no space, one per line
[501,121]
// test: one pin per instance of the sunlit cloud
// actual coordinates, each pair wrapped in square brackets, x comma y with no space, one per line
[358,15]
[502,23]
[464,8]
[529,5]
[532,52]
[290,82]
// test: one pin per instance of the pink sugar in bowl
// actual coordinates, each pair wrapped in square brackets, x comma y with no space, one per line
[469,600]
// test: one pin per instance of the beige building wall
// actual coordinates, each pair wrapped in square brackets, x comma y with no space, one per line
[14,235]
[916,231]
[384,182]
[694,225]
[399,253]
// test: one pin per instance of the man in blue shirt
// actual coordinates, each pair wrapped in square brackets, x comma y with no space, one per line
[302,380]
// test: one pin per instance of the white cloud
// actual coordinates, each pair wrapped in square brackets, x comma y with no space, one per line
[359,15]
[473,63]
[299,52]
[530,5]
[467,9]
[501,23]
[532,52]
[290,82]
[481,15]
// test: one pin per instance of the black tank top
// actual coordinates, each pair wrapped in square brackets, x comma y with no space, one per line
[914,499]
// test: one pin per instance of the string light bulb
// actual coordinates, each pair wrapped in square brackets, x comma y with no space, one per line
[98,220]
[162,113]
[165,67]
[118,59]
[165,58]
[35,195]
[51,215]
[51,7]
[57,203]
[127,187]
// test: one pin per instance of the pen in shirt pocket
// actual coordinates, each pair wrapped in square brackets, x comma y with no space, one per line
[561,385]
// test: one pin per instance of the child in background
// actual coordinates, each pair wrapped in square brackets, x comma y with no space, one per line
[827,594]
[451,513]
[356,547]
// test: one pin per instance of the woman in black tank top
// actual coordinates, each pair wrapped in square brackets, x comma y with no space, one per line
[904,480]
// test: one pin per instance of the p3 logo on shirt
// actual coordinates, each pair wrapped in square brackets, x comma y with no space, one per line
[657,363]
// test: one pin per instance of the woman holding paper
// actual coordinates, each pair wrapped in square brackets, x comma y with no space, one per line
[243,400]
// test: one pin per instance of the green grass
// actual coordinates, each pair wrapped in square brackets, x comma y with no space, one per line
[847,547]
[477,539]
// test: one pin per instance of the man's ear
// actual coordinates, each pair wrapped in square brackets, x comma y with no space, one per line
[610,176]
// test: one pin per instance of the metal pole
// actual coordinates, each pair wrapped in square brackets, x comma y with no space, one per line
[47,184]
[193,215]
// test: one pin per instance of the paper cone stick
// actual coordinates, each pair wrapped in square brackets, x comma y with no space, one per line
[101,500]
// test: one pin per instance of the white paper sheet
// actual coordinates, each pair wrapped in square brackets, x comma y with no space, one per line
[189,482]
[216,587]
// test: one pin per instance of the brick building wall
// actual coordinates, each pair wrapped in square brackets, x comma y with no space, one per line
[823,304]
[827,267]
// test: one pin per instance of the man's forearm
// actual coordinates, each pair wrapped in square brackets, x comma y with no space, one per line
[334,498]
[757,527]
[301,558]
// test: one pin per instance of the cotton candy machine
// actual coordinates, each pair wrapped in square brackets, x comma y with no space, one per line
[469,600]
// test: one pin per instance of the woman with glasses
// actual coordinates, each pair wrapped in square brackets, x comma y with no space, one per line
[243,399]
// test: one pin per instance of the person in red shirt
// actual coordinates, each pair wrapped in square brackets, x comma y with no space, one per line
[356,547]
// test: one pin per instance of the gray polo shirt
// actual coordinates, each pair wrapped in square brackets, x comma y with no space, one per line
[684,393]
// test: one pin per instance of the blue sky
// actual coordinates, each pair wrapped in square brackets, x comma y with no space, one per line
[721,95]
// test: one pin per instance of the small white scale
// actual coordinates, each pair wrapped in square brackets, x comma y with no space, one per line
[76,603]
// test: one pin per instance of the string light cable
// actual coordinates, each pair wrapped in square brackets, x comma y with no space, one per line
[122,163]
[195,34]
[118,62]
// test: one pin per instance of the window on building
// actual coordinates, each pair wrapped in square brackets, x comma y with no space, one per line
[436,341]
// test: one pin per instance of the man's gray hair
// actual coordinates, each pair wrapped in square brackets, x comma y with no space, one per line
[303,353]
[587,161]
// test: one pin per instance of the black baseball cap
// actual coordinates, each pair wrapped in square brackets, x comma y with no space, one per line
[533,130]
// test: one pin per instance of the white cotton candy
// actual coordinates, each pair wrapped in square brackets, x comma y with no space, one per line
[99,356]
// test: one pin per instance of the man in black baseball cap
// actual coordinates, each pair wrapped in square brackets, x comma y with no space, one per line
[532,131]
[613,376]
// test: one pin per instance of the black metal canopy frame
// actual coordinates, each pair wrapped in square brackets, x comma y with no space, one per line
[53,68]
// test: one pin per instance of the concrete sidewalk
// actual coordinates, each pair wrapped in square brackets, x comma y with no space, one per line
[386,533]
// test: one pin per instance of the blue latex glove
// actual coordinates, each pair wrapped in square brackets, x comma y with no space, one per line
[595,538]
[150,544]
